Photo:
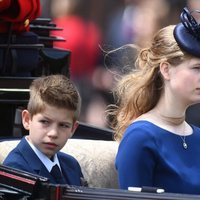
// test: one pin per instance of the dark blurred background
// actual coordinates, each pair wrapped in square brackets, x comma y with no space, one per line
[91,27]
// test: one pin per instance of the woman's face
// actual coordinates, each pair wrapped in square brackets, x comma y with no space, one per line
[184,81]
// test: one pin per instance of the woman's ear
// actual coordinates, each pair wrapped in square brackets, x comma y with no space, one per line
[26,119]
[165,70]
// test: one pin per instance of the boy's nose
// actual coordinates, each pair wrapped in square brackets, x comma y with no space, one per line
[53,132]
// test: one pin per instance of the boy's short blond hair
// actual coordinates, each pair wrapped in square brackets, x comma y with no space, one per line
[54,90]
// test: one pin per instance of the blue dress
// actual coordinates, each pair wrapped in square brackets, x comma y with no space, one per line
[151,156]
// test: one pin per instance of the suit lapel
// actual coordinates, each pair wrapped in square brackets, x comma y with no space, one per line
[68,173]
[39,168]
[33,161]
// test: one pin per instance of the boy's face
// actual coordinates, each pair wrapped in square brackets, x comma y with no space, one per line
[49,130]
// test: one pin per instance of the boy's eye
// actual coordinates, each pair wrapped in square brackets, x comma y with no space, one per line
[44,121]
[65,126]
[197,68]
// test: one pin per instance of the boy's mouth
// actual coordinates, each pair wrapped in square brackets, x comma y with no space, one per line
[50,145]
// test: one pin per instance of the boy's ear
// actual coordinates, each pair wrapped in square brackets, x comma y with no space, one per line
[26,119]
[75,126]
[165,70]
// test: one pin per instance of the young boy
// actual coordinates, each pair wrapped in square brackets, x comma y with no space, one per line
[51,119]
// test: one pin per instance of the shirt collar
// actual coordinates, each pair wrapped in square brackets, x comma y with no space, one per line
[48,163]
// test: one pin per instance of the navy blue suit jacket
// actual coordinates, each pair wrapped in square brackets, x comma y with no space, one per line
[24,158]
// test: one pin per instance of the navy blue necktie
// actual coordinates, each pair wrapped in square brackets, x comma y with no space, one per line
[57,175]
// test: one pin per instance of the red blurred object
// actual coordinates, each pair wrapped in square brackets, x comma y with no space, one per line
[19,13]
[82,38]
[4,4]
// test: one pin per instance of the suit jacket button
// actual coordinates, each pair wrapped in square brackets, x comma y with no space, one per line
[26,23]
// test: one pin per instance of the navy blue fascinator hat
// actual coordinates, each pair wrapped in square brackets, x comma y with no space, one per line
[187,33]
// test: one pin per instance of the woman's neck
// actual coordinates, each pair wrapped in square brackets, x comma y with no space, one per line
[170,121]
[170,118]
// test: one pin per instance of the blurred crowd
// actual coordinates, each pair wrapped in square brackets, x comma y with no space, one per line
[92,27]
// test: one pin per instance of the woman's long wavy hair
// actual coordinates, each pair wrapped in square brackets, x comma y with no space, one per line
[139,91]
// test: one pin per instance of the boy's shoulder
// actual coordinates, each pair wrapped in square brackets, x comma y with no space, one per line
[67,159]
[68,162]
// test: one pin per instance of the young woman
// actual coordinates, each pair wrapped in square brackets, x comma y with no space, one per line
[158,147]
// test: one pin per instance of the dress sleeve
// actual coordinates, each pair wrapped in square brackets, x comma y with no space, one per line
[136,158]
